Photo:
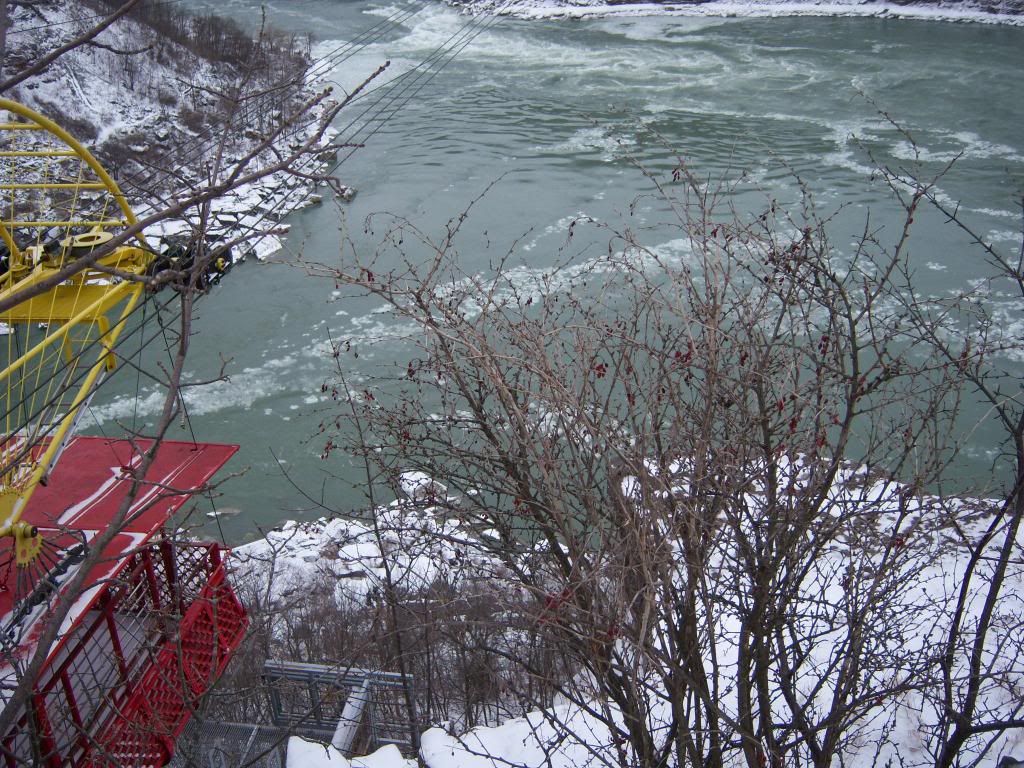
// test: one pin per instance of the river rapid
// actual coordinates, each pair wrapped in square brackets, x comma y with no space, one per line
[555,116]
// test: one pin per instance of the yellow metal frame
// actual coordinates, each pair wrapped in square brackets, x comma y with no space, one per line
[89,298]
[38,122]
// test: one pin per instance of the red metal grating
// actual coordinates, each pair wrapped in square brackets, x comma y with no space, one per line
[148,635]
[144,730]
[132,672]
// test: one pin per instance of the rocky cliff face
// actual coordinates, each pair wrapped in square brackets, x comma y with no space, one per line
[152,85]
[166,100]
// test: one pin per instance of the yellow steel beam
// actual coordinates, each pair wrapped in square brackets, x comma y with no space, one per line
[42,122]
[87,313]
[57,185]
[105,223]
[12,504]
[5,235]
[38,153]
[71,303]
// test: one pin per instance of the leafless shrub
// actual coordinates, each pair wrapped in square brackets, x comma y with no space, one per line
[705,482]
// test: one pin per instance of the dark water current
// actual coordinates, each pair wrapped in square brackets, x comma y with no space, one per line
[555,112]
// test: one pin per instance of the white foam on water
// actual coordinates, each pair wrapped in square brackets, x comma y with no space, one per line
[241,390]
[645,30]
[951,204]
[996,212]
[385,11]
[562,225]
[966,145]
[524,285]
[604,142]
[356,70]
[436,25]
[367,330]
[843,133]
[1003,236]
[1007,329]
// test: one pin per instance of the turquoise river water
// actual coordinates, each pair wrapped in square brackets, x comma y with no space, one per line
[555,114]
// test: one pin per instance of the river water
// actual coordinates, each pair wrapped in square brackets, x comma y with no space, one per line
[555,115]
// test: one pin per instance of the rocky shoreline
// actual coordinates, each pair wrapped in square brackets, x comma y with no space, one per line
[1007,12]
[251,216]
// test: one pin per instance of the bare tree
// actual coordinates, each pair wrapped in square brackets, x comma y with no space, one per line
[40,65]
[708,478]
[976,695]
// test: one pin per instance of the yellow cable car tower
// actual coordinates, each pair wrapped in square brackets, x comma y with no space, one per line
[60,211]
[153,620]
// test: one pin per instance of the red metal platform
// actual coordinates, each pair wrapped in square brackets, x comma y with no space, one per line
[154,626]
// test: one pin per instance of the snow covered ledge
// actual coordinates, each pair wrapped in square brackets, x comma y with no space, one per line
[423,540]
[303,753]
[564,738]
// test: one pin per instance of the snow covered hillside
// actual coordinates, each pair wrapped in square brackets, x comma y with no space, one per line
[142,89]
[982,11]
[171,103]
[423,544]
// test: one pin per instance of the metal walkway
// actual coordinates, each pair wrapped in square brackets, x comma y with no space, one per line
[356,710]
[210,744]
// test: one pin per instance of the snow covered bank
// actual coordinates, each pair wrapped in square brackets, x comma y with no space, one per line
[421,544]
[976,11]
[303,753]
[563,738]
[251,215]
[890,541]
